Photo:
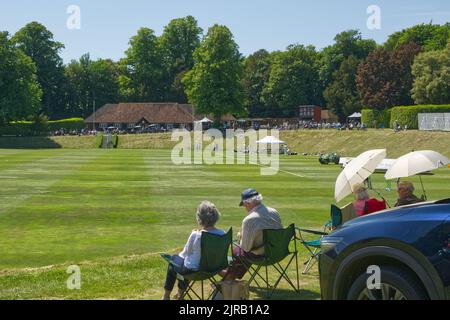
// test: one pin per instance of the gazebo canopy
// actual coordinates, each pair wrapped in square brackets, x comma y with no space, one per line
[356,115]
[205,120]
[270,140]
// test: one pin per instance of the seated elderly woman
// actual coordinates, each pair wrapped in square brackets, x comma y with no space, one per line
[406,194]
[364,204]
[189,259]
[361,198]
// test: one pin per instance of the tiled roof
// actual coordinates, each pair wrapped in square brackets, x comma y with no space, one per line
[152,112]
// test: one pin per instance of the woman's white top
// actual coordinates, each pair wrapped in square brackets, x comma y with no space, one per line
[192,250]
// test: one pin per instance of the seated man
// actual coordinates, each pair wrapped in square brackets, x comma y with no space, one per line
[406,194]
[259,218]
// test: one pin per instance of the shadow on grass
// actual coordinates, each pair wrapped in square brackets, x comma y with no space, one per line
[28,143]
[285,294]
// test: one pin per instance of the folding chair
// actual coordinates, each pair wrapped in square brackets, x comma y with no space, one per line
[313,246]
[214,259]
[276,248]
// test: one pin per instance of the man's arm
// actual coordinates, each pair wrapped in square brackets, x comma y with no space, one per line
[246,236]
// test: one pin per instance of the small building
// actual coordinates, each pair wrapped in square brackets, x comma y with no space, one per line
[310,113]
[132,116]
[316,114]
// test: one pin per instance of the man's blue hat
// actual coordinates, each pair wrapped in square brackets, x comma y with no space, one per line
[248,194]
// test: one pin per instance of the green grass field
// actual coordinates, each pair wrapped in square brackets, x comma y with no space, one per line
[113,211]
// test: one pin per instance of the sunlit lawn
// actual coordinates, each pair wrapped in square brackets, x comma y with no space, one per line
[112,211]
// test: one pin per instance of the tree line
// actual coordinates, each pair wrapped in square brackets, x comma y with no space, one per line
[185,65]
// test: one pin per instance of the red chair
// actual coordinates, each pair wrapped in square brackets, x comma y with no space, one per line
[374,205]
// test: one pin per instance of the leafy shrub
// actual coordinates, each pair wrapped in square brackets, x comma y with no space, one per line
[409,115]
[68,124]
[375,118]
[40,126]
[19,128]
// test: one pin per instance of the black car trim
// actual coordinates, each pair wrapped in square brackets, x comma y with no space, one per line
[445,201]
[435,290]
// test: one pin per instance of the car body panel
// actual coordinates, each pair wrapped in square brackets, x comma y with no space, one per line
[444,265]
[420,231]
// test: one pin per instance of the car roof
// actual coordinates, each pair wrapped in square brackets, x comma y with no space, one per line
[399,210]
[421,204]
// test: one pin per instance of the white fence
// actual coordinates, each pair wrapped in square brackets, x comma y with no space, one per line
[434,121]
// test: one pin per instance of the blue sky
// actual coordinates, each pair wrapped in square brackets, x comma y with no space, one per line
[106,25]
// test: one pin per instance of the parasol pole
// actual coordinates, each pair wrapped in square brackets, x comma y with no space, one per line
[423,188]
[369,183]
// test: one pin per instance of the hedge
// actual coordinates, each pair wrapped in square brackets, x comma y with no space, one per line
[22,128]
[375,118]
[68,124]
[409,115]
[29,128]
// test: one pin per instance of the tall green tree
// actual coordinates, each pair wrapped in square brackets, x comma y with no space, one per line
[179,40]
[342,96]
[142,76]
[384,79]
[104,75]
[431,71]
[37,42]
[91,81]
[20,93]
[346,44]
[256,76]
[213,85]
[294,79]
[78,89]
[428,36]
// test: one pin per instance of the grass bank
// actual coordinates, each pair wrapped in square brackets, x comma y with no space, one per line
[352,143]
[347,143]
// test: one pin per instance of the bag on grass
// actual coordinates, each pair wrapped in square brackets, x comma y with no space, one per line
[234,290]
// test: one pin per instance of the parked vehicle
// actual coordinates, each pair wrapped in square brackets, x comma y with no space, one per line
[328,158]
[408,246]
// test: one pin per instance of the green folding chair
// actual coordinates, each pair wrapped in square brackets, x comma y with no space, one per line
[313,246]
[276,249]
[214,259]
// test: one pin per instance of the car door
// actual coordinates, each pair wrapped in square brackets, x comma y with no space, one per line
[446,256]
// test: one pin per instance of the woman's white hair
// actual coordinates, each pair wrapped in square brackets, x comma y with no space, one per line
[361,193]
[207,214]
[256,200]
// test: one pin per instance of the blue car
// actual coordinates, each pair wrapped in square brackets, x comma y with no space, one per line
[407,249]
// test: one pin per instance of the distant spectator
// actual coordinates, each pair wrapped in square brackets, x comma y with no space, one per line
[396,126]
